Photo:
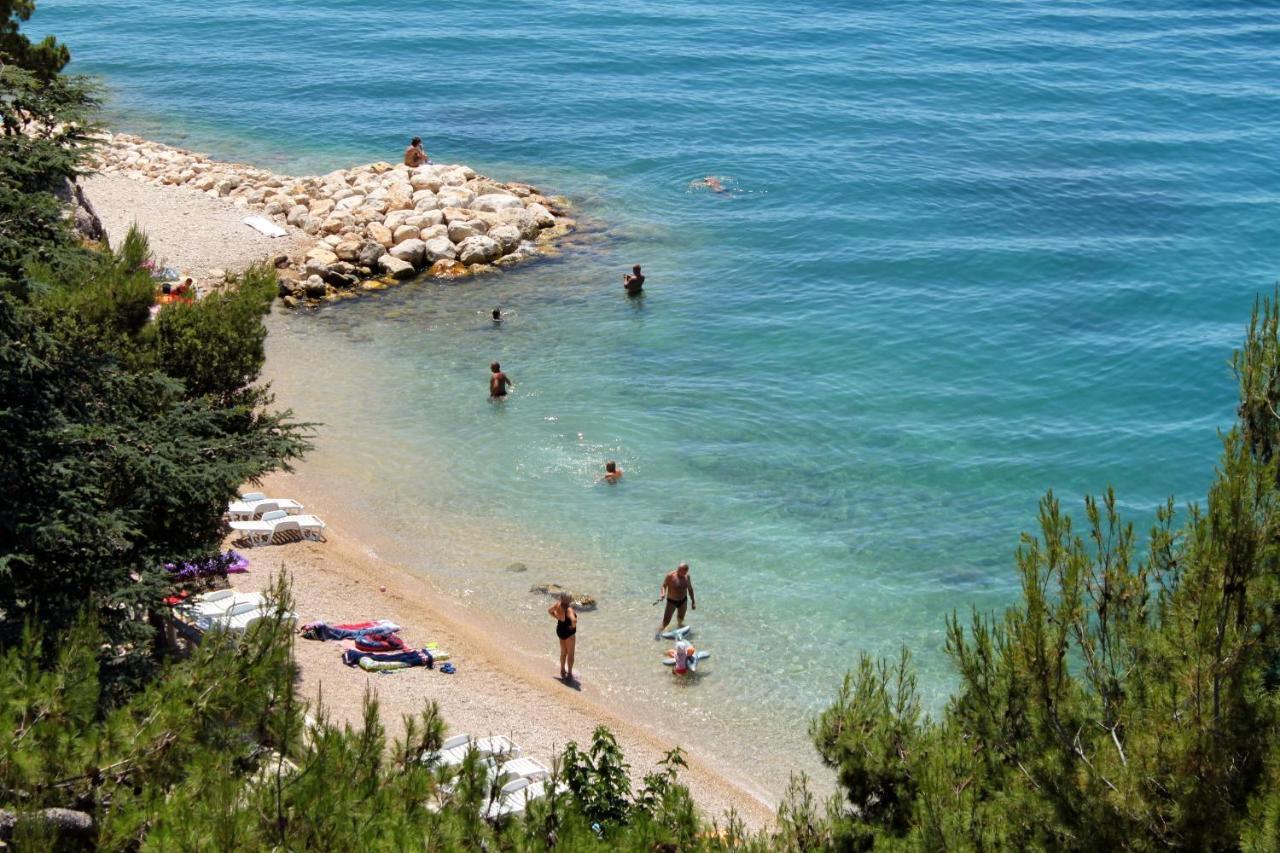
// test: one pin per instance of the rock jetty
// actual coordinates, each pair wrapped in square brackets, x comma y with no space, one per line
[370,224]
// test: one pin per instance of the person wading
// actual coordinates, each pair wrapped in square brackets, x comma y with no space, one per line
[677,589]
[566,630]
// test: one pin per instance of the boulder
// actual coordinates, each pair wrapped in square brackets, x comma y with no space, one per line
[397,201]
[349,250]
[460,230]
[455,197]
[316,288]
[411,251]
[405,232]
[380,233]
[369,253]
[445,268]
[351,202]
[340,279]
[322,256]
[333,225]
[541,216]
[433,231]
[321,207]
[440,247]
[478,250]
[507,236]
[493,202]
[427,202]
[425,181]
[395,219]
[395,267]
[580,601]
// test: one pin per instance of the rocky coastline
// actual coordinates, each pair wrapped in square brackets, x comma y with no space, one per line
[366,226]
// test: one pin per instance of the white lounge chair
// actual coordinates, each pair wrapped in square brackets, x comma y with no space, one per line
[277,522]
[240,617]
[516,795]
[455,749]
[216,603]
[254,504]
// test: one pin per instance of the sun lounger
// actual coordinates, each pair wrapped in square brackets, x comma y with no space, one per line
[216,603]
[277,523]
[247,510]
[240,617]
[455,749]
[516,795]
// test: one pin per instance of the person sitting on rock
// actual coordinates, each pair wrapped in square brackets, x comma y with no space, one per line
[414,156]
[633,281]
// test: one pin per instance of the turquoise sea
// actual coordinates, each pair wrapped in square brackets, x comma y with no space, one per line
[969,252]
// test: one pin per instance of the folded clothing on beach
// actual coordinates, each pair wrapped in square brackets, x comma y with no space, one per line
[348,631]
[379,640]
[394,660]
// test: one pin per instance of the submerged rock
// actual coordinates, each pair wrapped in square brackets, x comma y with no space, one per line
[580,601]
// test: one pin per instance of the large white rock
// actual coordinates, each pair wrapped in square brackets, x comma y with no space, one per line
[349,250]
[433,231]
[460,231]
[507,236]
[493,202]
[427,202]
[411,251]
[395,219]
[425,181]
[455,197]
[322,255]
[440,247]
[370,251]
[478,250]
[395,267]
[541,215]
[321,207]
[297,214]
[380,234]
[405,232]
[350,202]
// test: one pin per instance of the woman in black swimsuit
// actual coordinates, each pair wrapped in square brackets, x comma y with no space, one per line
[566,627]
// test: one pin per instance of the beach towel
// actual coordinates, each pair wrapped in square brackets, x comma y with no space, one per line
[419,657]
[379,640]
[264,226]
[350,631]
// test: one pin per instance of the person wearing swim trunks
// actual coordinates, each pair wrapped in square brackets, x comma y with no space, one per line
[499,382]
[414,156]
[633,281]
[677,589]
[566,630]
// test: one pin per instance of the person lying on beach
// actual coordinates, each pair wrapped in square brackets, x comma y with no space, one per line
[414,156]
[566,631]
[499,382]
[677,589]
[633,281]
[612,473]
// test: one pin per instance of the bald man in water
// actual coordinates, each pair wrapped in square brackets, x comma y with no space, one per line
[677,589]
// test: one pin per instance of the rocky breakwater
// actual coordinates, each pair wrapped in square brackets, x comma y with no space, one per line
[371,224]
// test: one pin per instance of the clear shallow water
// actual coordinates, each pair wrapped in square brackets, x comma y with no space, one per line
[971,252]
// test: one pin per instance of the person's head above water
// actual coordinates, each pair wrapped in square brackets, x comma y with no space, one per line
[495,367]
[497,314]
[682,569]
[416,142]
[611,466]
[636,269]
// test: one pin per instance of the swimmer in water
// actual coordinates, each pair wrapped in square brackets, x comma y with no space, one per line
[497,316]
[612,473]
[712,183]
[499,382]
[633,281]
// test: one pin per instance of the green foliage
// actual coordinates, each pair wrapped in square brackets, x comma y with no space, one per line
[1128,702]
[598,779]
[45,58]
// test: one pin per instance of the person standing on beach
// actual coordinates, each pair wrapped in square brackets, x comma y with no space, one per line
[633,281]
[566,631]
[414,156]
[499,382]
[677,589]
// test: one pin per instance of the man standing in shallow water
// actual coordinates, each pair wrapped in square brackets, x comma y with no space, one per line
[633,281]
[677,589]
[499,382]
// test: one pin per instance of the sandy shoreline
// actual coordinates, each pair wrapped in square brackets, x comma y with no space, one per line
[500,687]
